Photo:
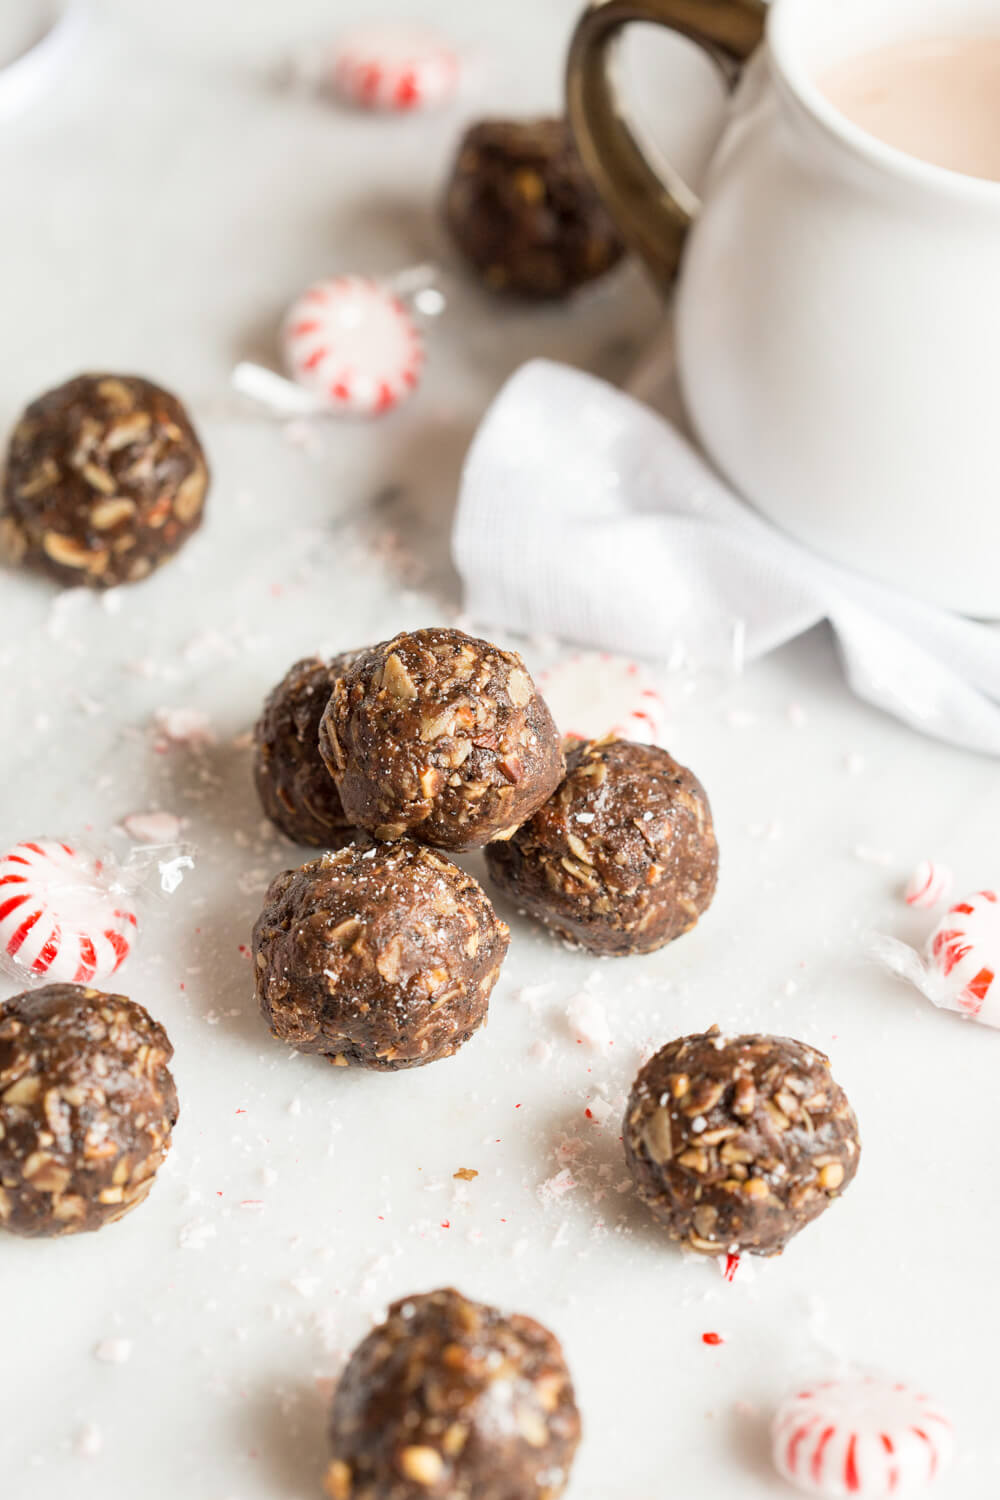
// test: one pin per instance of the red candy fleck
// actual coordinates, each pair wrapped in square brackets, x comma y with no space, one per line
[712,1338]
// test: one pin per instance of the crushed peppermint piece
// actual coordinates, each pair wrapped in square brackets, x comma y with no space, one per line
[196,1234]
[153,827]
[113,1351]
[558,1186]
[185,726]
[89,1441]
[588,1020]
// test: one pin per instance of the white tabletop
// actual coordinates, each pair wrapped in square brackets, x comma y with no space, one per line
[161,206]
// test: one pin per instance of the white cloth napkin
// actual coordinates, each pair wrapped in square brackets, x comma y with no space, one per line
[586,516]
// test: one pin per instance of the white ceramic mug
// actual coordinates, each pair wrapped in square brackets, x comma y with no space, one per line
[838,308]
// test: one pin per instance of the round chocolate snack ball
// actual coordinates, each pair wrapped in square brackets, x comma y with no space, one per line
[737,1143]
[106,480]
[453,1399]
[622,859]
[523,211]
[443,736]
[377,956]
[87,1105]
[295,788]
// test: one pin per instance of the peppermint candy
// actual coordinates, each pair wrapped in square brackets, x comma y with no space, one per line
[353,345]
[860,1436]
[62,916]
[959,967]
[929,885]
[963,957]
[394,68]
[594,693]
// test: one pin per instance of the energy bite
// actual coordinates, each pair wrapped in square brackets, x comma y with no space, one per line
[296,790]
[522,210]
[451,1398]
[87,1106]
[441,735]
[106,480]
[623,858]
[377,956]
[737,1143]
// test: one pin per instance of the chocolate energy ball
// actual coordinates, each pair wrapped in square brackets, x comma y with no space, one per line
[737,1143]
[452,1399]
[377,956]
[106,480]
[443,736]
[622,859]
[522,210]
[87,1105]
[295,788]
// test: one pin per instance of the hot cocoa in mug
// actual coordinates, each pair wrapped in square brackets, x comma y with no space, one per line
[838,303]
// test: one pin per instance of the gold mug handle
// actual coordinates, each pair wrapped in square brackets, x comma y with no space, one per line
[654,213]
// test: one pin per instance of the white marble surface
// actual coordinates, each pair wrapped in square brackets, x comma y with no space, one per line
[160,210]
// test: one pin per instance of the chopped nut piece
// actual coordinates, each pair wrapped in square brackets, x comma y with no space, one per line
[337,1480]
[657,1136]
[397,680]
[422,1465]
[108,513]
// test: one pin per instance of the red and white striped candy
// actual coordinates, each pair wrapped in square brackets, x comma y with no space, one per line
[394,68]
[860,1436]
[962,958]
[929,885]
[61,917]
[353,345]
[594,693]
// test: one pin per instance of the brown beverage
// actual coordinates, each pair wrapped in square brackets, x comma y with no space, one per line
[938,100]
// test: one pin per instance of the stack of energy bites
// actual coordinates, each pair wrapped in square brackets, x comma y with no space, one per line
[383,953]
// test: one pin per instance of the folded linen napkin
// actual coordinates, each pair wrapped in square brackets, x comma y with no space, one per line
[586,516]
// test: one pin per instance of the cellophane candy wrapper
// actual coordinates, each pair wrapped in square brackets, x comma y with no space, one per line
[959,966]
[72,912]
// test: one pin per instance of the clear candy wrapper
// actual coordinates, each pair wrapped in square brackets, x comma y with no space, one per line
[71,911]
